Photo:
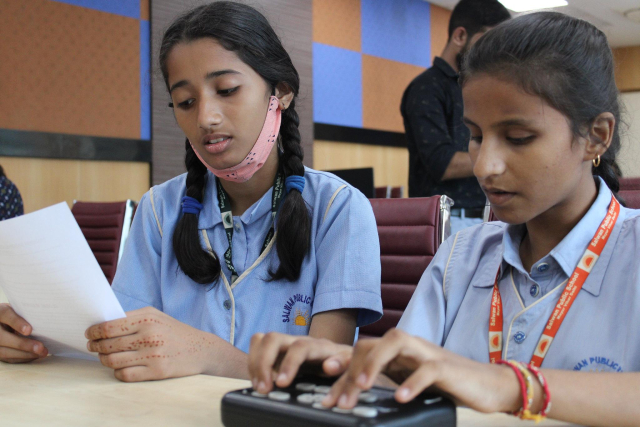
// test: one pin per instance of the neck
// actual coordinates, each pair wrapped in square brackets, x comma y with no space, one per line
[244,194]
[450,54]
[547,230]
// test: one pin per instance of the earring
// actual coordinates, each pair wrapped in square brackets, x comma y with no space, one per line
[596,161]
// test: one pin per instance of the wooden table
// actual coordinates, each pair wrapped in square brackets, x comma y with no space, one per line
[65,392]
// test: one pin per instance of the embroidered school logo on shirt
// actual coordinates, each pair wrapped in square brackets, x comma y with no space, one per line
[598,364]
[296,310]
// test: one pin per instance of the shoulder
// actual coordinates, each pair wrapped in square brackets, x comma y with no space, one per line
[471,247]
[168,195]
[630,230]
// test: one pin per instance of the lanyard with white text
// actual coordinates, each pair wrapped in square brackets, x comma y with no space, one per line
[570,293]
[227,218]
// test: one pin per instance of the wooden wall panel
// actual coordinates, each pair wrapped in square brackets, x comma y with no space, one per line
[439,29]
[44,182]
[627,68]
[292,21]
[390,164]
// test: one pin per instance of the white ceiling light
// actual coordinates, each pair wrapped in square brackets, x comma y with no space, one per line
[633,14]
[527,5]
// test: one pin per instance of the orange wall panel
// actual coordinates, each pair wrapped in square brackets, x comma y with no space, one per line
[69,69]
[337,23]
[383,83]
[439,29]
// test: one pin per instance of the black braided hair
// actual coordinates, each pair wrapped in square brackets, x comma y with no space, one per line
[564,60]
[242,29]
[196,263]
[294,222]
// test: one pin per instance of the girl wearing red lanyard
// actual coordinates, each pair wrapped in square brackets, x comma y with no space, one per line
[541,103]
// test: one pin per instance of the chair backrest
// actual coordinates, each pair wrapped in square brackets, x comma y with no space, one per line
[410,232]
[629,184]
[106,227]
[383,192]
[397,192]
[631,198]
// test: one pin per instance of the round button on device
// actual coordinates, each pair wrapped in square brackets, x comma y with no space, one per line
[319,405]
[367,397]
[341,411]
[365,411]
[305,386]
[319,397]
[519,337]
[256,394]
[279,395]
[306,398]
[322,389]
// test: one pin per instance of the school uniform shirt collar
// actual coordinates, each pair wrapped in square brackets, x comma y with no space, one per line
[568,252]
[210,215]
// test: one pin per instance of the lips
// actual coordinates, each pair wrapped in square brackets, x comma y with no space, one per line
[216,143]
[497,196]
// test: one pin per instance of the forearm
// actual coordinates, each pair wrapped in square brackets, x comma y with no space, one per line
[221,359]
[459,167]
[338,326]
[594,398]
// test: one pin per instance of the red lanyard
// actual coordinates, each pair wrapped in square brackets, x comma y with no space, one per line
[567,298]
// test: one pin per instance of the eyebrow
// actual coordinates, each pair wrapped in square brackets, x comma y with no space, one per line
[209,76]
[504,123]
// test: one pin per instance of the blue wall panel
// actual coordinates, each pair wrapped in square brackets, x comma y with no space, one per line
[398,30]
[130,8]
[337,86]
[145,81]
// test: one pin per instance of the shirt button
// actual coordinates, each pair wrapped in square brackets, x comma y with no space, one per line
[534,291]
[519,337]
[238,227]
[543,267]
[227,304]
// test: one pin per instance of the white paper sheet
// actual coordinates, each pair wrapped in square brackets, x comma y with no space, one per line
[52,279]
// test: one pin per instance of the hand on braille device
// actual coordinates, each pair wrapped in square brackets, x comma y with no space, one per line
[301,404]
[414,363]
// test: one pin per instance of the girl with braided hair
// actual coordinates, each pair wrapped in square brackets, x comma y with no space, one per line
[248,240]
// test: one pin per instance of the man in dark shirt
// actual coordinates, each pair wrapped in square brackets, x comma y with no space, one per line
[10,199]
[438,140]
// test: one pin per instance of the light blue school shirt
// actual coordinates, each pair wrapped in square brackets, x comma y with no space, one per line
[601,332]
[342,269]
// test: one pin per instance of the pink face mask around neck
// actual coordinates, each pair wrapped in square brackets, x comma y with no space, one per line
[260,151]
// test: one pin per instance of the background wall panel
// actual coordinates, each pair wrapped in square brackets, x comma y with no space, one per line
[44,182]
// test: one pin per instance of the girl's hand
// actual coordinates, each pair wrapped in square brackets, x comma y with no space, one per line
[276,357]
[15,346]
[150,345]
[416,365]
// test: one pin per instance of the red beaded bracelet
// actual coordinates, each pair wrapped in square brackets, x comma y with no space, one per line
[523,386]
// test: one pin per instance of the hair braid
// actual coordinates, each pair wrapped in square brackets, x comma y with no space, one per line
[196,263]
[294,222]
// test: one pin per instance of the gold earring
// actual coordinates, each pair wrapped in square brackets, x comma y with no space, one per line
[596,161]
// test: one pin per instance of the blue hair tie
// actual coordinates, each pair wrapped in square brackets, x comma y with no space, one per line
[191,205]
[294,182]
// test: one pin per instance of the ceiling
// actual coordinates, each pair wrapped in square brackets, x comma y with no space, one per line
[608,15]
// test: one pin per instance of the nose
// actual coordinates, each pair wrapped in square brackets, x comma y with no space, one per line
[488,159]
[209,114]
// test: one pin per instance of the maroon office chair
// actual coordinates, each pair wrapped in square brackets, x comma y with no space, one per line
[106,227]
[383,192]
[629,184]
[397,192]
[631,198]
[410,232]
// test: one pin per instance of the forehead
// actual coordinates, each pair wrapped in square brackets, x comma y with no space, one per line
[487,98]
[194,59]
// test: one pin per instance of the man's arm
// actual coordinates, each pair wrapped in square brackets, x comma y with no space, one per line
[425,113]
